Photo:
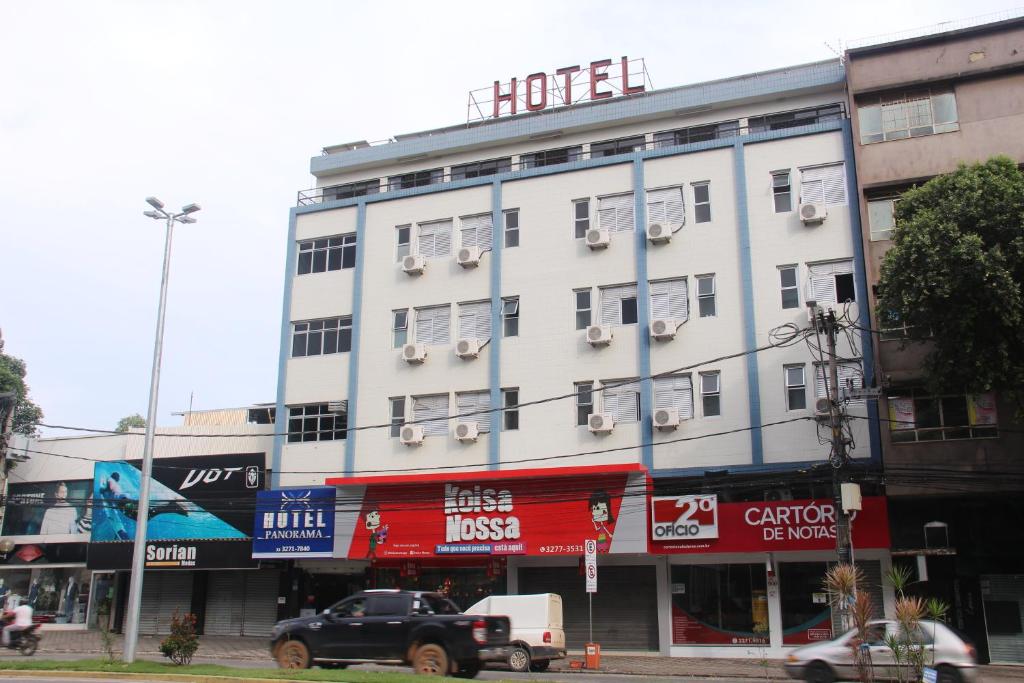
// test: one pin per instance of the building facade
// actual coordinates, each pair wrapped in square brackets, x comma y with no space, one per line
[569,314]
[919,108]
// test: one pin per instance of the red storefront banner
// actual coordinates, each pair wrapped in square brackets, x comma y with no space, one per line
[700,524]
[533,512]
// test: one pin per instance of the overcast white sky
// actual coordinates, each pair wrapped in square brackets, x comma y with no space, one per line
[223,103]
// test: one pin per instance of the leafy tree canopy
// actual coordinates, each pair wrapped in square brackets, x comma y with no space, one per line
[12,378]
[126,423]
[957,268]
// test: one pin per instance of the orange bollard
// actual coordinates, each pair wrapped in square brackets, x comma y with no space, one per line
[593,655]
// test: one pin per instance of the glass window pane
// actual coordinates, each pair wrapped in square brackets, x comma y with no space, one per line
[729,599]
[783,202]
[511,220]
[797,399]
[582,320]
[629,312]
[298,345]
[334,259]
[401,320]
[305,262]
[331,341]
[401,336]
[584,393]
[583,300]
[790,298]
[788,277]
[870,121]
[701,194]
[320,261]
[707,307]
[844,288]
[582,209]
[313,344]
[511,239]
[926,412]
[512,327]
[794,376]
[954,411]
[702,213]
[348,259]
[320,244]
[712,405]
[583,414]
[705,286]
[709,383]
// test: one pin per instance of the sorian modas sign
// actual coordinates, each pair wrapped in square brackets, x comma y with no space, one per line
[475,514]
[686,518]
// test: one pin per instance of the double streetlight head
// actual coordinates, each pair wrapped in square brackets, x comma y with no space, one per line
[159,213]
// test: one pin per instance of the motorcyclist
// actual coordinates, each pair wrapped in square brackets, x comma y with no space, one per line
[21,619]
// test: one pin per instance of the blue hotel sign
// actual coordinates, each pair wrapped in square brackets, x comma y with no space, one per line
[294,523]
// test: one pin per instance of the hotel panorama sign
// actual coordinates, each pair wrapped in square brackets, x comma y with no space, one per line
[563,87]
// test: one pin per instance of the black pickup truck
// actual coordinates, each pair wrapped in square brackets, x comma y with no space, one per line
[425,630]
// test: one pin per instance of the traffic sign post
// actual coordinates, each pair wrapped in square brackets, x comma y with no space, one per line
[593,650]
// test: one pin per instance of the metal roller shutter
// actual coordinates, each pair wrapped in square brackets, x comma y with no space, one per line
[625,605]
[1003,597]
[162,594]
[224,604]
[260,613]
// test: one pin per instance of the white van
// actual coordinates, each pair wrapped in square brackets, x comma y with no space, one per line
[537,636]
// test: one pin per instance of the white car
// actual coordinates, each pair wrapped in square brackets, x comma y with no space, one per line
[954,660]
[537,636]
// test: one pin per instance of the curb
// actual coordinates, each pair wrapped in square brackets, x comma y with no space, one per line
[126,676]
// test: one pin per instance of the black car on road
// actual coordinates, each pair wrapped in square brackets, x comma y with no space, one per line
[423,629]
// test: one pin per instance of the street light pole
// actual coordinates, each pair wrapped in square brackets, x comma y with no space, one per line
[131,632]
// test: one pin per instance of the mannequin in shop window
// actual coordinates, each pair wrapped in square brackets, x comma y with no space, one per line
[68,598]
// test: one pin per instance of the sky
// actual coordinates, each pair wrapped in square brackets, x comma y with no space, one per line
[105,103]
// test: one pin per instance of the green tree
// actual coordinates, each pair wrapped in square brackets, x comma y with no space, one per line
[12,378]
[126,423]
[957,268]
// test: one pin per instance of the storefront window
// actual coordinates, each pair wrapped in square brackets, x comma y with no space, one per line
[806,616]
[719,604]
[464,586]
[58,595]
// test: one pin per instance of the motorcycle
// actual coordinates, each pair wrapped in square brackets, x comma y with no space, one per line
[26,642]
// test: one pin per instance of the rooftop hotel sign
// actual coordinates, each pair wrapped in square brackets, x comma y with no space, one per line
[565,86]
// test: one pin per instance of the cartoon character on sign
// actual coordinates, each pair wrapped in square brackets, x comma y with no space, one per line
[378,534]
[601,516]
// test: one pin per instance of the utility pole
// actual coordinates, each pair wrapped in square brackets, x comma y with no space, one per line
[838,458]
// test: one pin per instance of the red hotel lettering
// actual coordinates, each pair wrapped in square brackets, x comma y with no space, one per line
[596,78]
[627,89]
[510,97]
[568,71]
[543,77]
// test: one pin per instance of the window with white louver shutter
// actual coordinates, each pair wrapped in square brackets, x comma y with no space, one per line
[435,239]
[432,408]
[666,206]
[475,321]
[432,325]
[616,213]
[848,373]
[675,392]
[471,402]
[622,401]
[823,185]
[821,280]
[476,231]
[668,300]
[611,303]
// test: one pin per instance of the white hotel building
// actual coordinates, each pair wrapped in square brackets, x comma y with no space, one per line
[564,251]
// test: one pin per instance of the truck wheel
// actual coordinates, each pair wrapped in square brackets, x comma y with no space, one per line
[468,670]
[293,655]
[519,659]
[542,665]
[430,660]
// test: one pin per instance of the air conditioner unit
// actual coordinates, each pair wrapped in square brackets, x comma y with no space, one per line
[778,494]
[414,353]
[598,239]
[411,435]
[467,348]
[666,419]
[813,214]
[600,423]
[663,329]
[659,233]
[823,409]
[413,264]
[467,432]
[599,335]
[468,257]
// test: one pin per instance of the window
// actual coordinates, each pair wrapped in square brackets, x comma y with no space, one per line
[431,412]
[711,393]
[618,305]
[918,416]
[583,308]
[581,217]
[675,391]
[663,206]
[702,202]
[510,316]
[791,119]
[729,598]
[397,410]
[399,328]
[823,185]
[316,422]
[351,190]
[469,402]
[511,228]
[684,136]
[781,191]
[831,283]
[321,337]
[475,321]
[417,179]
[476,231]
[432,325]
[615,213]
[850,377]
[584,402]
[796,387]
[329,253]
[435,239]
[790,291]
[880,217]
[510,402]
[668,300]
[907,115]
[403,234]
[481,168]
[621,400]
[619,146]
[706,296]
[388,606]
[550,157]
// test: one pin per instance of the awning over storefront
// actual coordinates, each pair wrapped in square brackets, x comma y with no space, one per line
[538,512]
